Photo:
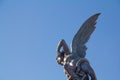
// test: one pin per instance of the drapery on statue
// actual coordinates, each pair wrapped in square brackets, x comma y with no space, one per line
[75,65]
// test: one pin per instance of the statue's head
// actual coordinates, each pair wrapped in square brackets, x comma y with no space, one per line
[60,58]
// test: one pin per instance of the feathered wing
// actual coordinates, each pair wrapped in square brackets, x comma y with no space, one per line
[82,36]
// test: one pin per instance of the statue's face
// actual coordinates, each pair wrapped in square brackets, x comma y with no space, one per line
[60,58]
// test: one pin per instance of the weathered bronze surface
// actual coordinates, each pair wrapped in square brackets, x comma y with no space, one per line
[75,65]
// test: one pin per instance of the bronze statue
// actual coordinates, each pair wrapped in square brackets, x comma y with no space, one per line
[75,65]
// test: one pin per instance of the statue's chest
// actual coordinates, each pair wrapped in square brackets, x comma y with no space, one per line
[71,63]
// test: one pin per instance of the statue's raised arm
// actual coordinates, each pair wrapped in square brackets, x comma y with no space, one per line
[62,44]
[62,50]
[75,65]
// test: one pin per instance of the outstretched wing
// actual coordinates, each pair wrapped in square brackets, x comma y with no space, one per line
[82,36]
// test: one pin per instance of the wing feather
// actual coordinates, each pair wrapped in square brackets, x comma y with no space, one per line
[82,36]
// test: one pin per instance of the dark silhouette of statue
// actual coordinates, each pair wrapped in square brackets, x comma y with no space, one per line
[75,65]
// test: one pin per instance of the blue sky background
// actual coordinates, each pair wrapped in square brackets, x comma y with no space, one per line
[31,29]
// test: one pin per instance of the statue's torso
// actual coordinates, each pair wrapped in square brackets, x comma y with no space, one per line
[71,61]
[74,63]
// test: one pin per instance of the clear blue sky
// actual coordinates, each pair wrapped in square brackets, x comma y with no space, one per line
[31,29]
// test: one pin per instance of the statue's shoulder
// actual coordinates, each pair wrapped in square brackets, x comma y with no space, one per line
[81,60]
[71,58]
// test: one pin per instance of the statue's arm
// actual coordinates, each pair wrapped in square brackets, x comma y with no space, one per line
[92,74]
[88,69]
[63,44]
